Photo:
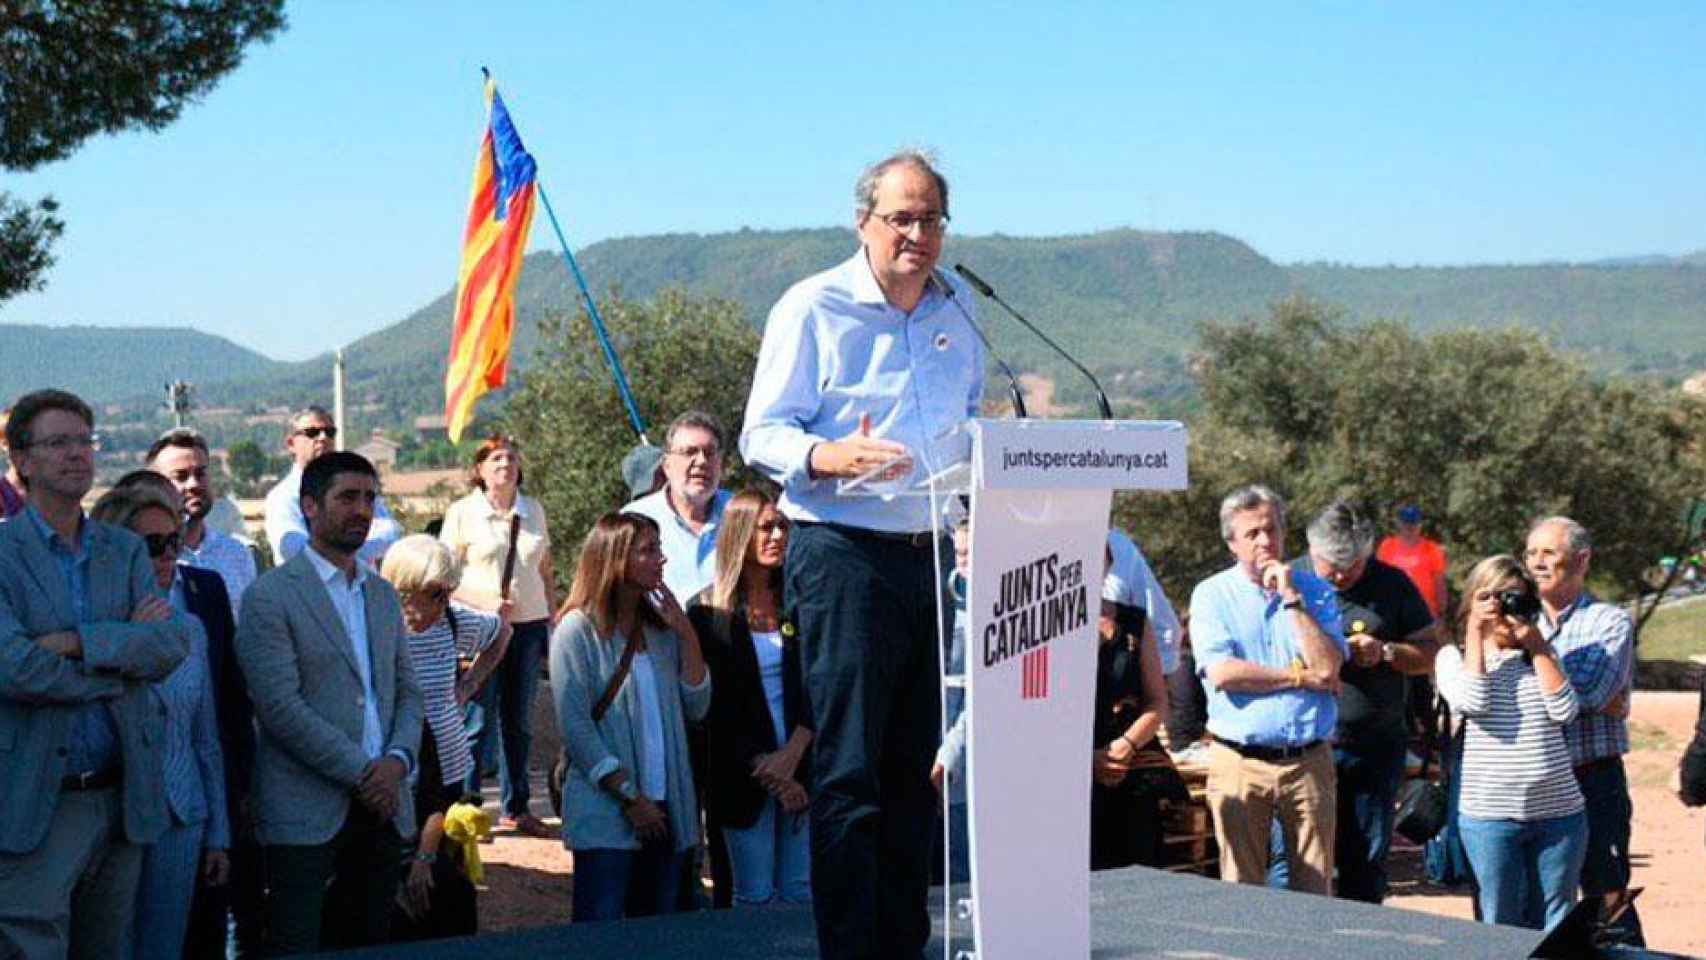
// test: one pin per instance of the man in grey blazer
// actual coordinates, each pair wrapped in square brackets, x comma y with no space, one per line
[83,629]
[322,644]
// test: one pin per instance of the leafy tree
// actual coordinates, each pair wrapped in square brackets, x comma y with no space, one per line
[247,462]
[1486,429]
[680,353]
[26,241]
[70,71]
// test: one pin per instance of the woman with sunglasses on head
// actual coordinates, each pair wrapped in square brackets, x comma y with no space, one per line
[758,725]
[494,531]
[194,846]
[436,898]
[626,675]
[1521,812]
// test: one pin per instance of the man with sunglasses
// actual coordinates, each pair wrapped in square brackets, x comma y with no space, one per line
[83,631]
[311,434]
[862,364]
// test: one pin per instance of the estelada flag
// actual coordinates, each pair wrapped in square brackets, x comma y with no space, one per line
[499,213]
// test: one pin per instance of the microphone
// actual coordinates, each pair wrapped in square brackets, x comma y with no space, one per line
[980,286]
[1012,381]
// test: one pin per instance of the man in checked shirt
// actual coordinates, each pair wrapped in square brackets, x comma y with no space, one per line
[1594,642]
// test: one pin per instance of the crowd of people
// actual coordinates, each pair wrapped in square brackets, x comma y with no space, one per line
[205,758]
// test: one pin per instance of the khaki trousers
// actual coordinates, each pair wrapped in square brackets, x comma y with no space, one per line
[1245,795]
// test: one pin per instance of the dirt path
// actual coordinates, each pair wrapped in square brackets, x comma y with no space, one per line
[1668,845]
[529,883]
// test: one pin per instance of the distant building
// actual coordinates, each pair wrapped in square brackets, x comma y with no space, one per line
[381,451]
[428,429]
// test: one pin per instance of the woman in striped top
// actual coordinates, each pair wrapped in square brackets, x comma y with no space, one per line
[1522,822]
[435,898]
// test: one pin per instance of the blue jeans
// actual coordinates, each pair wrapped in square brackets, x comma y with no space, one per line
[1368,787]
[772,859]
[1527,870]
[1605,786]
[480,718]
[612,884]
[516,679]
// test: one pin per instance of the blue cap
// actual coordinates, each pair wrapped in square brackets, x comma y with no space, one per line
[1410,513]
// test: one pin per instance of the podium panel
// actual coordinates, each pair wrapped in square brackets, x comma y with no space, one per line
[1034,599]
[1040,495]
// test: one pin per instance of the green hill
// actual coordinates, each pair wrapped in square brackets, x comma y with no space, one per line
[110,364]
[1126,301]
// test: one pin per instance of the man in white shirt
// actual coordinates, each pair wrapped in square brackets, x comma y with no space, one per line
[338,713]
[689,508]
[311,434]
[181,456]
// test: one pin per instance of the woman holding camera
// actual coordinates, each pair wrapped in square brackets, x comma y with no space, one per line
[1521,813]
[626,675]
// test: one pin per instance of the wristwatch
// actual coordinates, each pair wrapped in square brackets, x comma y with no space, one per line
[626,792]
[1385,652]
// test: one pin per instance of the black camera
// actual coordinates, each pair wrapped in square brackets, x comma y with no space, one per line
[1520,604]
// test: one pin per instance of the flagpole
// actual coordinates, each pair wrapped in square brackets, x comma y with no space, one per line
[597,323]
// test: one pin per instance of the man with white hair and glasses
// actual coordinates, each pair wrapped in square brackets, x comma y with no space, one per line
[1391,635]
[1594,642]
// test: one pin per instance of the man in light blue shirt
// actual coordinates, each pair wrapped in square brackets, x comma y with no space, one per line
[1268,646]
[864,363]
[689,508]
[312,434]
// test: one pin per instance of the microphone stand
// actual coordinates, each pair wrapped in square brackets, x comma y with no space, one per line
[1012,381]
[980,286]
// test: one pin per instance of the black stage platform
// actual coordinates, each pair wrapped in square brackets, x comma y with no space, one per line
[1134,913]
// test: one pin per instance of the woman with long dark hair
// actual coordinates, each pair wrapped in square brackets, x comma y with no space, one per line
[626,675]
[758,729]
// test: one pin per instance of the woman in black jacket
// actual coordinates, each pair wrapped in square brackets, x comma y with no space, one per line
[757,723]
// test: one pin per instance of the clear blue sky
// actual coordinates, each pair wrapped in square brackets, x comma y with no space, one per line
[318,193]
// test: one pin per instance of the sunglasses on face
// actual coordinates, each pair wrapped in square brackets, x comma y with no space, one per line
[440,594]
[314,433]
[160,543]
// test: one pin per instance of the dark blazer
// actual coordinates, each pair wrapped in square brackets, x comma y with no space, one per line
[206,596]
[738,726]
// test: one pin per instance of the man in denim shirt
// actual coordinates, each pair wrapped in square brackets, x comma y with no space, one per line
[1594,641]
[1268,646]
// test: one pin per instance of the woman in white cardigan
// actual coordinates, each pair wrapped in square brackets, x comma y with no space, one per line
[629,812]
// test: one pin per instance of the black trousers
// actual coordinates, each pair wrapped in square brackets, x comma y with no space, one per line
[335,894]
[867,614]
[240,898]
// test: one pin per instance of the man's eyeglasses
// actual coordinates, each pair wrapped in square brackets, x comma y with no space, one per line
[314,433]
[933,224]
[61,442]
[160,543]
[708,452]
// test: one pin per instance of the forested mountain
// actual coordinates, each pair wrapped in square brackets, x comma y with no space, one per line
[105,364]
[1126,301]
